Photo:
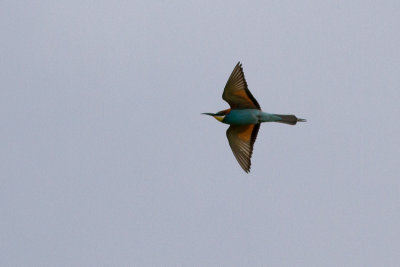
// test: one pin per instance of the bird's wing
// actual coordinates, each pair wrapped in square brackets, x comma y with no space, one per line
[236,92]
[241,139]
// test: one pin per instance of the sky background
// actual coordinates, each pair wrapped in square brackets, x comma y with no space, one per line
[105,159]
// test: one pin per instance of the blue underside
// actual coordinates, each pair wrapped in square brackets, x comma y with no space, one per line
[249,116]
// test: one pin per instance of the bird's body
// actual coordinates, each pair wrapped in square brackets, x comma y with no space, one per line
[244,117]
[249,116]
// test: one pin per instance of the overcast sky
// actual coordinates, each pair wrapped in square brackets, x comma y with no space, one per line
[105,159]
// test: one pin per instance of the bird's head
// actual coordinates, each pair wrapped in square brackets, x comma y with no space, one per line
[220,115]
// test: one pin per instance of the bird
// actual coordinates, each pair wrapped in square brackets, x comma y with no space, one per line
[244,117]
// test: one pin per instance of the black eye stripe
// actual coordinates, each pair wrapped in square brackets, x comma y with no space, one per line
[221,113]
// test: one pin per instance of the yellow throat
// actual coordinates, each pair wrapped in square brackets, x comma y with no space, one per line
[220,118]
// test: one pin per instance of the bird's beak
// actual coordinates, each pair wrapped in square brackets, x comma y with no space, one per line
[217,117]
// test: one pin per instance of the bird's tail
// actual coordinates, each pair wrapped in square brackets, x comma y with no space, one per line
[289,119]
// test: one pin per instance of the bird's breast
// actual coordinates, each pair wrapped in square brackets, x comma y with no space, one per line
[242,116]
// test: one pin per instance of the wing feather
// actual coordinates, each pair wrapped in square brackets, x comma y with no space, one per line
[241,139]
[236,92]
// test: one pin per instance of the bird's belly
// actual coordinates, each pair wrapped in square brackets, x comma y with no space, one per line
[243,117]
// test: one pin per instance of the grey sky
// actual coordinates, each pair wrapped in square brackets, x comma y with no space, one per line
[106,160]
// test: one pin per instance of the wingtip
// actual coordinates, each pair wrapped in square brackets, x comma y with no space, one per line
[246,169]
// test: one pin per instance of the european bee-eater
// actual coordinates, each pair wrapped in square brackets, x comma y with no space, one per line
[244,117]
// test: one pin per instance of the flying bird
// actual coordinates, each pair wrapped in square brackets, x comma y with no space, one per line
[244,117]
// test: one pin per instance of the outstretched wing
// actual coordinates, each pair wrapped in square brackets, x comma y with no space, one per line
[236,92]
[241,139]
